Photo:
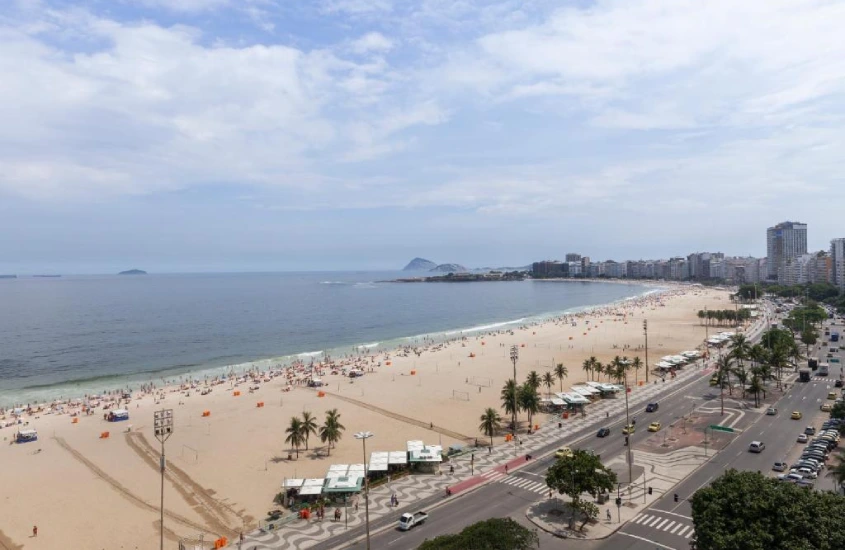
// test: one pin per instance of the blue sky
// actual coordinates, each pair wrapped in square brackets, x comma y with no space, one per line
[207,135]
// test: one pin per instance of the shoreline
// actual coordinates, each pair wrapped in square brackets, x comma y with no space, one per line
[45,394]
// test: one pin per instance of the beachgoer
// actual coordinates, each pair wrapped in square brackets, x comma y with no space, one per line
[34,530]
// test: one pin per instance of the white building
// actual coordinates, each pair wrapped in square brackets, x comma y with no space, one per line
[784,241]
[837,254]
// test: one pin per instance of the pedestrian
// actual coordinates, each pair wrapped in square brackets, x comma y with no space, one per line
[34,530]
[356,505]
[608,515]
[607,414]
[506,468]
[451,469]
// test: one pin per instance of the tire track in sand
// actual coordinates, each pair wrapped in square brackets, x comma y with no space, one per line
[124,491]
[219,515]
[400,417]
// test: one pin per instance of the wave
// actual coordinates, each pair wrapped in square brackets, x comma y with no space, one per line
[310,353]
[368,346]
[342,283]
[491,326]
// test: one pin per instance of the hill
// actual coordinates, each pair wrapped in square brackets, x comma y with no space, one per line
[420,264]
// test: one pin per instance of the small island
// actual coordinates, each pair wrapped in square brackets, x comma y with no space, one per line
[133,272]
[466,277]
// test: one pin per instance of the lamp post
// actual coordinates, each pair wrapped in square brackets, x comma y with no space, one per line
[645,331]
[514,357]
[628,423]
[163,425]
[364,436]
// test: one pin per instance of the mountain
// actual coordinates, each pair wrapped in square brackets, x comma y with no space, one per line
[133,272]
[420,264]
[449,268]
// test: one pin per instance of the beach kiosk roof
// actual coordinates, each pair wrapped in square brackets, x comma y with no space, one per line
[337,470]
[346,484]
[414,445]
[602,387]
[434,453]
[379,461]
[293,483]
[397,458]
[312,486]
[663,365]
[356,470]
[586,391]
[573,398]
[557,402]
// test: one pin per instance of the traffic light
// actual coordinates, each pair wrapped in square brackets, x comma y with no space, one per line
[676,497]
[650,489]
[618,501]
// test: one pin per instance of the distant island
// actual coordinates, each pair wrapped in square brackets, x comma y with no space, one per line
[133,272]
[420,264]
[466,277]
[8,276]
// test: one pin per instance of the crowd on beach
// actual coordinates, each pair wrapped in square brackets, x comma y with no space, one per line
[356,362]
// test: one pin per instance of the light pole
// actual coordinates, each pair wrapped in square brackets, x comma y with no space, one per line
[628,423]
[163,424]
[514,357]
[645,331]
[364,436]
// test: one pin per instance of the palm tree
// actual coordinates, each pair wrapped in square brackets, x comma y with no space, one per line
[529,401]
[331,431]
[533,379]
[595,365]
[636,364]
[599,369]
[548,381]
[587,365]
[723,368]
[509,401]
[294,431]
[491,422]
[561,372]
[838,472]
[309,426]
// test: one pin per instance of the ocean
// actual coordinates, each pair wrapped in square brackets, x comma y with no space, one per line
[68,336]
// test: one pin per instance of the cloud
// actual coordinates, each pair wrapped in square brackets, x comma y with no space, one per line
[356,7]
[372,42]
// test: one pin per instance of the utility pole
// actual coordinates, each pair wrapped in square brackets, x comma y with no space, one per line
[514,357]
[628,423]
[645,331]
[364,436]
[163,424]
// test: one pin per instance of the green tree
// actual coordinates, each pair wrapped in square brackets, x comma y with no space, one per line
[491,534]
[588,511]
[838,410]
[491,423]
[295,436]
[509,396]
[750,511]
[837,472]
[580,473]
[724,366]
[309,426]
[561,372]
[332,430]
[636,364]
[533,379]
[587,365]
[529,401]
[548,381]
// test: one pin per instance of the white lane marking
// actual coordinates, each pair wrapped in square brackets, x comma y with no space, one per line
[674,514]
[676,528]
[689,534]
[653,523]
[684,530]
[647,540]
[668,525]
[661,524]
[641,518]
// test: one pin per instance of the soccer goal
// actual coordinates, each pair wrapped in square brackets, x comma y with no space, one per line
[481,381]
[460,395]
[189,454]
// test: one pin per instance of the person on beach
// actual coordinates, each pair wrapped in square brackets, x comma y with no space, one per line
[34,530]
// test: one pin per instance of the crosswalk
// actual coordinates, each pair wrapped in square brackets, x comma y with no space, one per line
[518,482]
[671,526]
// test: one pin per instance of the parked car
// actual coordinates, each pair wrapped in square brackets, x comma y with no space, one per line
[791,477]
[807,473]
[826,407]
[809,430]
[802,438]
[779,466]
[603,432]
[838,384]
[652,407]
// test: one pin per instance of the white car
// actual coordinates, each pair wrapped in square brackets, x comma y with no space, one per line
[791,477]
[802,438]
[806,472]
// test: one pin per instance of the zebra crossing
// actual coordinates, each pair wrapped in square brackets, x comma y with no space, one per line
[518,482]
[668,525]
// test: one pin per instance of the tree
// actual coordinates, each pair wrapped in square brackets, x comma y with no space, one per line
[332,429]
[491,534]
[809,336]
[509,401]
[838,410]
[636,364]
[309,426]
[295,436]
[580,473]
[587,365]
[529,401]
[588,511]
[491,423]
[548,381]
[723,371]
[750,511]
[561,372]
[533,379]
[838,472]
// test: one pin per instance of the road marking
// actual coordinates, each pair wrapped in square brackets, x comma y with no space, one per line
[676,528]
[654,522]
[661,524]
[642,517]
[684,530]
[647,540]
[674,514]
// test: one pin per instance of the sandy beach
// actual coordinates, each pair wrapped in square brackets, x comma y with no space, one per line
[85,491]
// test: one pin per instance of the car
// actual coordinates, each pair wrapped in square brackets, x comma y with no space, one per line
[818,456]
[812,464]
[809,430]
[756,447]
[629,429]
[652,407]
[826,407]
[779,466]
[802,438]
[791,477]
[771,411]
[563,452]
[796,415]
[603,432]
[831,395]
[838,384]
[805,483]
[806,473]
[654,427]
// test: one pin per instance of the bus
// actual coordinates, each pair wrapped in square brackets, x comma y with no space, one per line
[813,363]
[804,375]
[824,369]
[834,336]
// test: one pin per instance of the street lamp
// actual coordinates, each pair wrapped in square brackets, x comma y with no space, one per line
[645,331]
[628,423]
[364,436]
[514,357]
[163,424]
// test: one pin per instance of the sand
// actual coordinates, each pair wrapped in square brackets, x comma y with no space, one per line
[224,469]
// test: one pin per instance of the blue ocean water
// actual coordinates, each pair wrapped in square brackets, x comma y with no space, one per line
[73,335]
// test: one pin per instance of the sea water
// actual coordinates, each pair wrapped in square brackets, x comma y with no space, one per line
[68,336]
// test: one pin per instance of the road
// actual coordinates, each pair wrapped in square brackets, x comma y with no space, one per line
[664,524]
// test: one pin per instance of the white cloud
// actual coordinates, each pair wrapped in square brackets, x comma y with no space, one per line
[356,7]
[187,6]
[372,42]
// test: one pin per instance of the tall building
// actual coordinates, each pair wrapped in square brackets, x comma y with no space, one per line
[837,256]
[785,241]
[572,257]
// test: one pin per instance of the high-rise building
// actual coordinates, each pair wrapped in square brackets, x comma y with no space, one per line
[572,257]
[785,241]
[837,256]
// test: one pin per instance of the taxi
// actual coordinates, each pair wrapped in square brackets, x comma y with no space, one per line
[563,452]
[796,415]
[629,429]
[654,426]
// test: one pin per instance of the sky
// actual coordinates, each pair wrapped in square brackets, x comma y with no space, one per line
[260,135]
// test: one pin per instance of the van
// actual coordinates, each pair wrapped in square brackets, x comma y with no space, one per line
[756,447]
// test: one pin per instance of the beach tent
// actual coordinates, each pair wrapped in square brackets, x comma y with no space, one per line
[26,436]
[118,415]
